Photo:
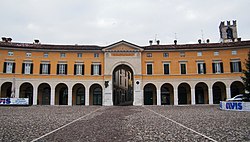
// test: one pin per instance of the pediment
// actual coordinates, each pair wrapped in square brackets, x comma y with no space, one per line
[123,46]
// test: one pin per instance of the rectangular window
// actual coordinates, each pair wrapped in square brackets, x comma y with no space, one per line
[79,55]
[217,67]
[166,68]
[201,68]
[166,55]
[62,69]
[182,54]
[235,66]
[96,55]
[79,69]
[9,67]
[149,69]
[28,54]
[44,68]
[62,55]
[96,69]
[234,52]
[45,55]
[27,68]
[183,68]
[216,53]
[149,54]
[199,53]
[10,53]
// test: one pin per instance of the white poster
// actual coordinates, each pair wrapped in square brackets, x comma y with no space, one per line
[14,101]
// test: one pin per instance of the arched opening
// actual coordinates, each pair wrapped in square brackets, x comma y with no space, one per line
[150,97]
[201,93]
[78,95]
[219,92]
[44,93]
[26,91]
[184,94]
[167,94]
[95,97]
[61,94]
[229,33]
[6,90]
[123,85]
[237,88]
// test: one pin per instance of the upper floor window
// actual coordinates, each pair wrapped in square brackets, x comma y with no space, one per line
[217,67]
[79,55]
[182,54]
[235,66]
[10,53]
[9,67]
[149,69]
[201,68]
[96,55]
[166,68]
[216,53]
[183,68]
[165,55]
[45,55]
[44,68]
[96,69]
[62,69]
[27,68]
[199,53]
[62,55]
[28,54]
[149,54]
[79,69]
[234,52]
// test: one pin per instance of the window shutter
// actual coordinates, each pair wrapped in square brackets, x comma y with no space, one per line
[41,68]
[213,64]
[4,67]
[92,68]
[221,66]
[231,66]
[100,69]
[75,69]
[31,68]
[199,68]
[23,68]
[48,68]
[66,69]
[57,68]
[204,67]
[14,68]
[83,69]
[240,69]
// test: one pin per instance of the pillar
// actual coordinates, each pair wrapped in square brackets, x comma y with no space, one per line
[52,98]
[35,96]
[87,97]
[69,97]
[210,96]
[228,93]
[193,96]
[158,95]
[175,96]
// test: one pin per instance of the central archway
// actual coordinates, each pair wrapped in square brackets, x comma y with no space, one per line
[123,83]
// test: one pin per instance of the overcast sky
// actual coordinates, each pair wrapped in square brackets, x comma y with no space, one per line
[103,22]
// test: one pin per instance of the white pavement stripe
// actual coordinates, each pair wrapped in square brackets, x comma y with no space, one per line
[181,125]
[66,125]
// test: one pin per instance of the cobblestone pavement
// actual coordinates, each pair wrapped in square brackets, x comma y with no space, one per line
[130,123]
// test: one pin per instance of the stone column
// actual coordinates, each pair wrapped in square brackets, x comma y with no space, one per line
[193,96]
[17,92]
[69,97]
[228,93]
[87,97]
[35,96]
[52,98]
[158,93]
[175,96]
[210,96]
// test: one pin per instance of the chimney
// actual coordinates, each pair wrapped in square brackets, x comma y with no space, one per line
[199,41]
[4,39]
[150,42]
[239,39]
[208,40]
[158,42]
[36,41]
[9,39]
[175,42]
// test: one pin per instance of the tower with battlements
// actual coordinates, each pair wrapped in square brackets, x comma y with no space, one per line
[228,32]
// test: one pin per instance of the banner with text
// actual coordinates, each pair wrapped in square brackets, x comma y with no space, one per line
[236,106]
[14,101]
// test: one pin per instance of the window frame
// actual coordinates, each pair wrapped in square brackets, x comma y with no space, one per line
[168,68]
[185,69]
[147,71]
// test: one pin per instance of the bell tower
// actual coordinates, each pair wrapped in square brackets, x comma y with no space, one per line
[228,32]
